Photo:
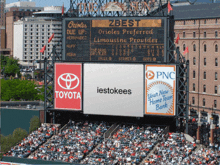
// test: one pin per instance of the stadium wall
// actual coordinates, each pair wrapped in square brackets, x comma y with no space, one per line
[16,118]
[29,161]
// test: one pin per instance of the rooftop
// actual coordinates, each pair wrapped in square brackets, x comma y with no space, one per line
[197,11]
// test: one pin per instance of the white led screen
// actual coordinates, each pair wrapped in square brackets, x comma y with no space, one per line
[113,89]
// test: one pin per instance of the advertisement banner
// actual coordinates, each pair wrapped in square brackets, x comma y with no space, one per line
[113,89]
[160,87]
[68,86]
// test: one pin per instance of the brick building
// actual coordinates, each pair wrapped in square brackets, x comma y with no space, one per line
[199,29]
[14,12]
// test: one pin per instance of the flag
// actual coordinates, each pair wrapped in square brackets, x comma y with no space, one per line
[51,37]
[63,9]
[186,50]
[169,7]
[177,39]
[43,49]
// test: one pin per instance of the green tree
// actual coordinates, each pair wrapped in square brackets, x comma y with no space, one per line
[12,67]
[34,124]
[19,134]
[19,90]
[11,140]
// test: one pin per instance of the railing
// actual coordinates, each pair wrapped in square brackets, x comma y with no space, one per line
[108,132]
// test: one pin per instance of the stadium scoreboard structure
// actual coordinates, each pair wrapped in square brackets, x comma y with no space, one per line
[122,39]
[110,67]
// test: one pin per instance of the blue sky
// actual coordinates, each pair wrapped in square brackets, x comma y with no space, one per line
[42,3]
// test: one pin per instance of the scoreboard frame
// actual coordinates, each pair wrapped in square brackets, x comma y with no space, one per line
[112,20]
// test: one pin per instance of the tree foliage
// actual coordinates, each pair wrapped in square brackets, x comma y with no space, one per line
[34,124]
[16,89]
[10,65]
[11,140]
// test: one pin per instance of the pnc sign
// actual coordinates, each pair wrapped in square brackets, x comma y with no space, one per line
[68,90]
[160,87]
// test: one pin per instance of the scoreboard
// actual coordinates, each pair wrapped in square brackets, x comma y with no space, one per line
[114,39]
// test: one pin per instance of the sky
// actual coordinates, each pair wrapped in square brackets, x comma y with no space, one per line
[43,3]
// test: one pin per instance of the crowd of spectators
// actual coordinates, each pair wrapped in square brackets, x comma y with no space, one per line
[175,150]
[33,141]
[72,143]
[130,144]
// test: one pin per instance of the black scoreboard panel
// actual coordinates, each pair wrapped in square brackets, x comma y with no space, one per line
[114,40]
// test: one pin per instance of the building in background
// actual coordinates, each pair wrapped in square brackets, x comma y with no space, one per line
[3,49]
[32,33]
[198,26]
[14,12]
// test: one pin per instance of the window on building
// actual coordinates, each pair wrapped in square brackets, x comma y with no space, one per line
[48,26]
[42,38]
[42,25]
[48,50]
[194,74]
[36,25]
[193,100]
[31,37]
[194,61]
[216,75]
[203,102]
[204,88]
[215,103]
[216,33]
[25,45]
[37,41]
[216,61]
[204,61]
[194,86]
[25,33]
[48,34]
[25,57]
[184,22]
[31,29]
[36,37]
[42,41]
[216,90]
[216,20]
[48,30]
[194,22]
[36,57]
[194,47]
[37,45]
[204,75]
[31,45]
[36,33]
[205,48]
[194,34]
[205,21]
[184,47]
[42,33]
[25,25]
[184,34]
[37,30]
[42,30]
[204,34]
[216,48]
[31,33]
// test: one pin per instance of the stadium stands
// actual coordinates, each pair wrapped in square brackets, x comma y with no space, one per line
[172,151]
[33,141]
[130,144]
[84,143]
[73,143]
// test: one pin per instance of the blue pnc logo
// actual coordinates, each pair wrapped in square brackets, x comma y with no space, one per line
[166,75]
